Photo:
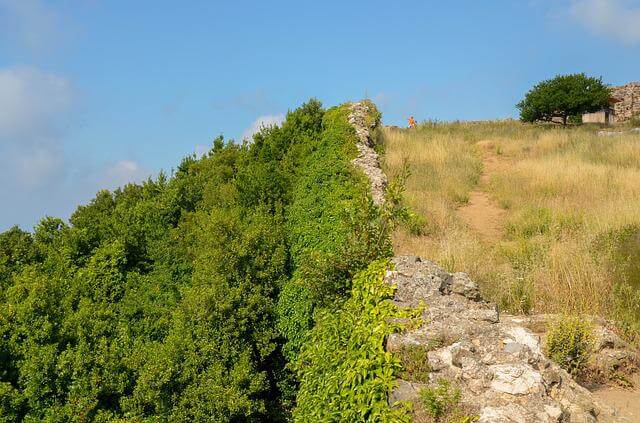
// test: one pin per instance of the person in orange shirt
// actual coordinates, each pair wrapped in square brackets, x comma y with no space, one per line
[412,122]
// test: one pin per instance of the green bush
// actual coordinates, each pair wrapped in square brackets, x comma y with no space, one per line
[626,310]
[531,222]
[621,248]
[344,371]
[334,228]
[518,297]
[569,343]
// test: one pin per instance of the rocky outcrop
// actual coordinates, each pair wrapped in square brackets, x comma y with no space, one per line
[611,356]
[367,160]
[495,360]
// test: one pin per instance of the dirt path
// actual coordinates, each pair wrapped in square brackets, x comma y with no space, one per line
[481,213]
[625,401]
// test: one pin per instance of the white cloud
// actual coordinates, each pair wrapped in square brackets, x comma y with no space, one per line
[261,122]
[38,175]
[124,172]
[37,167]
[34,111]
[30,24]
[618,19]
[33,104]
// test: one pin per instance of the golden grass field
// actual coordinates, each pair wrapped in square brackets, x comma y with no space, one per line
[565,204]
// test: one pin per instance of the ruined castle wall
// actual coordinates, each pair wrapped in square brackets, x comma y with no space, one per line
[629,101]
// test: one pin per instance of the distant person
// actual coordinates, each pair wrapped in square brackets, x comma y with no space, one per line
[412,122]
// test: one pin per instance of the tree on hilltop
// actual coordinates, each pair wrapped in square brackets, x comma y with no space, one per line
[564,96]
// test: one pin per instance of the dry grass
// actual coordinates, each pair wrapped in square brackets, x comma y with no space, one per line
[562,189]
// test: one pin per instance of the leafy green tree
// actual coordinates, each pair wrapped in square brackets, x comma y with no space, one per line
[183,298]
[563,97]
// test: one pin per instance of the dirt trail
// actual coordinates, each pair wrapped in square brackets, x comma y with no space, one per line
[481,213]
[625,401]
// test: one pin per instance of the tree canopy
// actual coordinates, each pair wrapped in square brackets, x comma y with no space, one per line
[564,96]
[183,298]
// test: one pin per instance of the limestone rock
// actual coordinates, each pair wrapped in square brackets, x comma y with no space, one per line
[496,361]
[461,284]
[610,353]
[516,379]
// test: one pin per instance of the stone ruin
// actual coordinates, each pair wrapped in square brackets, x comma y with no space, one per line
[367,160]
[627,102]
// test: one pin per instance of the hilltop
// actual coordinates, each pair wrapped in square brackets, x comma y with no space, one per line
[257,282]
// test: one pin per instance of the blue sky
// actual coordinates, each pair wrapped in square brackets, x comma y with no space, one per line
[97,93]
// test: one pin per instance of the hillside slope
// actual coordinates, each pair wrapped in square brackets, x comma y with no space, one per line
[528,212]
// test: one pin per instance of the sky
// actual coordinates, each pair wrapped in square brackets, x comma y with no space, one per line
[95,94]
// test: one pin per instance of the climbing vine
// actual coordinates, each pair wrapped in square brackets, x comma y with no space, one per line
[344,371]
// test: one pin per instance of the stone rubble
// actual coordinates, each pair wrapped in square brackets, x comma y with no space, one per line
[610,133]
[495,360]
[367,159]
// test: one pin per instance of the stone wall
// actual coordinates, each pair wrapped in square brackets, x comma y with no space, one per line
[367,159]
[629,101]
[602,117]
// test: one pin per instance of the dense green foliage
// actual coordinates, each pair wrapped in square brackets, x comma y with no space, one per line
[183,298]
[334,230]
[345,373]
[563,97]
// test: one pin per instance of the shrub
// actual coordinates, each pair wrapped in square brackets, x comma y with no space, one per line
[621,247]
[518,297]
[531,222]
[334,228]
[181,298]
[569,343]
[621,250]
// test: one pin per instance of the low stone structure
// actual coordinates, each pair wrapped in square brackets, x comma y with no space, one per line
[625,104]
[605,117]
[495,360]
